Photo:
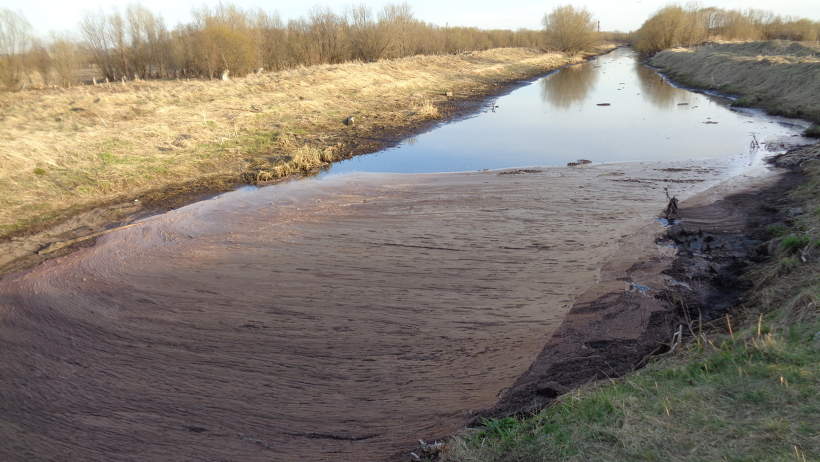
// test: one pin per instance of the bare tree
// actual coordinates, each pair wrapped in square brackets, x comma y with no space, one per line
[369,39]
[65,59]
[15,42]
[570,30]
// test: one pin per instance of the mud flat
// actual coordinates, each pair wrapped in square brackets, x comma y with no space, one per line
[610,331]
[327,319]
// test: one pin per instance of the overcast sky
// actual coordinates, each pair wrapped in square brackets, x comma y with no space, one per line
[625,15]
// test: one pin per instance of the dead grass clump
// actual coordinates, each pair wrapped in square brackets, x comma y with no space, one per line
[427,110]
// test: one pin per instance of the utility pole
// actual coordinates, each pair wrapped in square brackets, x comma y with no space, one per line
[599,25]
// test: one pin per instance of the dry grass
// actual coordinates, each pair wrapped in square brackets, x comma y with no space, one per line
[64,149]
[783,77]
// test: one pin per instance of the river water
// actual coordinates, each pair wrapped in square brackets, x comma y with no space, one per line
[556,120]
[344,317]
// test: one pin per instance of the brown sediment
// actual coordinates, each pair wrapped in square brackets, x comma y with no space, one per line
[340,318]
[692,276]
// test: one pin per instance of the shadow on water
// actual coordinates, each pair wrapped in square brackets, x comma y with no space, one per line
[570,86]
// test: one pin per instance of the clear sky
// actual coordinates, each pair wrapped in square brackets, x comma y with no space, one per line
[63,15]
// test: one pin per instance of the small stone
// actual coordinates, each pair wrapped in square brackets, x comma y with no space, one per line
[349,121]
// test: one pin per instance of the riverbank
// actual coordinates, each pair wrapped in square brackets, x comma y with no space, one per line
[76,162]
[781,77]
[734,386]
[736,322]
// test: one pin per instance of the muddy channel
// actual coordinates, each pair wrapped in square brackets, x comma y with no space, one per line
[346,316]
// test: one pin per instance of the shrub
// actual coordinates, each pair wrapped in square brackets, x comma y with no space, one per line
[676,26]
[570,30]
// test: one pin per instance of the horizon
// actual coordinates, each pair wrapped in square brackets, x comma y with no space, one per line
[48,16]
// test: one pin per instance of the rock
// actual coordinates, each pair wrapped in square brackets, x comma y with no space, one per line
[795,211]
[448,94]
[226,75]
[349,121]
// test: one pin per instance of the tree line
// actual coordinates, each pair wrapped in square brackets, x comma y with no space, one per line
[135,43]
[675,26]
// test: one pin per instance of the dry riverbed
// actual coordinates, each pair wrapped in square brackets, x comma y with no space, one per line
[336,317]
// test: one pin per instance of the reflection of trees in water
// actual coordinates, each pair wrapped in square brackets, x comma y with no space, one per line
[657,91]
[569,86]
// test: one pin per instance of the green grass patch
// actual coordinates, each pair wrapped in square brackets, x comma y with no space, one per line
[748,399]
[777,230]
[793,243]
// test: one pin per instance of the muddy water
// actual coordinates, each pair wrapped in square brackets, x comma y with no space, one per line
[338,318]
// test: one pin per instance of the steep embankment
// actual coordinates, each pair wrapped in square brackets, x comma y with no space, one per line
[782,77]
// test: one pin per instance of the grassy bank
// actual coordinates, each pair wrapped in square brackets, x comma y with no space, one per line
[741,389]
[781,77]
[67,150]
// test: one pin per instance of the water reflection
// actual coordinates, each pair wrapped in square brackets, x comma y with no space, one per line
[657,91]
[611,109]
[569,86]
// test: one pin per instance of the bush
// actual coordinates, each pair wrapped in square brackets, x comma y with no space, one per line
[676,26]
[570,30]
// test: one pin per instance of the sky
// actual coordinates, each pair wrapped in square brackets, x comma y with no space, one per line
[624,15]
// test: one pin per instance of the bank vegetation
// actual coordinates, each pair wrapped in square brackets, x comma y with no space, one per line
[685,26]
[135,43]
